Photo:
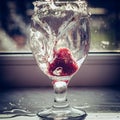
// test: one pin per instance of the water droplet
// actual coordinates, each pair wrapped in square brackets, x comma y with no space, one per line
[5,108]
[11,104]
[16,112]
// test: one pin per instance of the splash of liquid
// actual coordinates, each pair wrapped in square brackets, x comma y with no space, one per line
[16,113]
[76,5]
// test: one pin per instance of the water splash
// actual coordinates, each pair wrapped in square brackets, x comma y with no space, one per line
[76,5]
[15,113]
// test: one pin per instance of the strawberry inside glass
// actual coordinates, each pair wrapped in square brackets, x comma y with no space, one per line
[63,63]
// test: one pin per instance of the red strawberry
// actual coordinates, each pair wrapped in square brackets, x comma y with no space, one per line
[63,64]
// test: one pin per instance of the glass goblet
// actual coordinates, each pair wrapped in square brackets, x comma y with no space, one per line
[59,40]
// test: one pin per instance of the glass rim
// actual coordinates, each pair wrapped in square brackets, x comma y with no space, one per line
[80,6]
[59,1]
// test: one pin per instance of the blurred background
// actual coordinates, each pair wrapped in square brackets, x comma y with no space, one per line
[15,17]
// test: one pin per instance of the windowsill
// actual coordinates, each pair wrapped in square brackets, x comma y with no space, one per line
[97,70]
[99,103]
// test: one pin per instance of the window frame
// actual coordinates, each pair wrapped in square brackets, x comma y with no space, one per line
[21,70]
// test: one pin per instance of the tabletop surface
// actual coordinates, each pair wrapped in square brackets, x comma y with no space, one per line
[99,103]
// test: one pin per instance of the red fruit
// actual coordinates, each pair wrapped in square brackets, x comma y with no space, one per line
[63,64]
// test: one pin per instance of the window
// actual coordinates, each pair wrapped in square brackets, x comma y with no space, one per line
[105,25]
[17,66]
[15,19]
[14,22]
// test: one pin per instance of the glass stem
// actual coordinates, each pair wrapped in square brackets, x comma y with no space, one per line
[60,90]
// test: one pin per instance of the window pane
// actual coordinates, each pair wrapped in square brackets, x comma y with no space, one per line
[15,20]
[105,26]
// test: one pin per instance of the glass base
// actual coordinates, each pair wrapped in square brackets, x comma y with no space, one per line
[68,113]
